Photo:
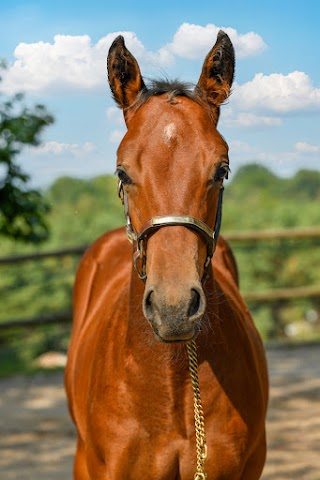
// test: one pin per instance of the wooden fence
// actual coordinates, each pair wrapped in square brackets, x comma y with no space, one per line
[311,233]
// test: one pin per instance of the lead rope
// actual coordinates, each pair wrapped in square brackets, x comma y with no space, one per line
[201,443]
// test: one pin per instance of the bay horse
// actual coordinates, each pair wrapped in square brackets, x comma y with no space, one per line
[127,376]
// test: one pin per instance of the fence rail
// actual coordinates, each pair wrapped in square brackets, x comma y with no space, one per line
[234,237]
[237,237]
[46,319]
[282,294]
[274,234]
[66,252]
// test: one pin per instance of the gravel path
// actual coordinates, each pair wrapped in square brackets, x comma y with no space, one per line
[37,438]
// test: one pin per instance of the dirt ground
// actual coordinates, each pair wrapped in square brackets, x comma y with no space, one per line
[37,438]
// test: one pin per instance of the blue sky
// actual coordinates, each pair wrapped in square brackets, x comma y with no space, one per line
[56,53]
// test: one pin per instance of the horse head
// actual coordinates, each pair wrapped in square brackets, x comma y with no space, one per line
[171,165]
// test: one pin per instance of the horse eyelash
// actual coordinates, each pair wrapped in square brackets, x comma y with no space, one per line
[123,176]
[226,170]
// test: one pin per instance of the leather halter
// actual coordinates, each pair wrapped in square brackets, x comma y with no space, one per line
[139,240]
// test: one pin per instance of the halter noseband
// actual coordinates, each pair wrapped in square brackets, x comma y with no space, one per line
[139,240]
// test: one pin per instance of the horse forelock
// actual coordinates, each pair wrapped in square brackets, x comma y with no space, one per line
[171,88]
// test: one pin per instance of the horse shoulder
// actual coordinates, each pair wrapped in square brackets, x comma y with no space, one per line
[227,280]
[102,276]
[100,266]
[238,366]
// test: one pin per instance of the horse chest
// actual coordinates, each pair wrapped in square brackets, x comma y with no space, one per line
[146,425]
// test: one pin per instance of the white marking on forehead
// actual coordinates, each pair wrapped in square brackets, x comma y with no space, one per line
[168,132]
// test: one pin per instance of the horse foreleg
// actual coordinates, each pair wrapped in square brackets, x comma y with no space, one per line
[80,469]
[255,463]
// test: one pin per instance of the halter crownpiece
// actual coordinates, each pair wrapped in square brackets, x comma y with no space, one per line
[139,240]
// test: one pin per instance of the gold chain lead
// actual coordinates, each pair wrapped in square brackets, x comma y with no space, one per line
[201,443]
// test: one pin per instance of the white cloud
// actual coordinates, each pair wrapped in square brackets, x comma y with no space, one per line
[194,41]
[240,146]
[231,118]
[58,148]
[115,118]
[306,147]
[116,136]
[277,158]
[73,62]
[283,163]
[266,99]
[69,61]
[115,115]
[277,93]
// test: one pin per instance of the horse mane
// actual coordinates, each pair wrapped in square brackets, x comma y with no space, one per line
[173,88]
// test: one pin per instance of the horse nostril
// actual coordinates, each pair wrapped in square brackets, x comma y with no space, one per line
[148,299]
[195,303]
[148,303]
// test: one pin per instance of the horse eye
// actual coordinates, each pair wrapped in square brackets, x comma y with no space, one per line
[222,172]
[123,177]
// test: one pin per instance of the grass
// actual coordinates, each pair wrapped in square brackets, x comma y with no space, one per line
[19,348]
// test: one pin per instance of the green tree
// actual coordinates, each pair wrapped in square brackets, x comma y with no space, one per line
[22,208]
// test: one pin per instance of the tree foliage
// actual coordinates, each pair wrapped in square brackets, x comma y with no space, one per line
[257,199]
[22,208]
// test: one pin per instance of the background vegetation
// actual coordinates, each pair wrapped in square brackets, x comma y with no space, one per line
[81,210]
[22,208]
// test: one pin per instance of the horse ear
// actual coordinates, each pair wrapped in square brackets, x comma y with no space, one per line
[124,75]
[217,72]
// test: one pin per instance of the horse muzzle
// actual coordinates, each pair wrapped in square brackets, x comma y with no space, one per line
[177,318]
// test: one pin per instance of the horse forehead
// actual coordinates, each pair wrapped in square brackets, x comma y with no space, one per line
[178,124]
[159,111]
[169,132]
[168,119]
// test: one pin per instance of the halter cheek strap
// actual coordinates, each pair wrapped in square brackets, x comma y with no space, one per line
[139,240]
